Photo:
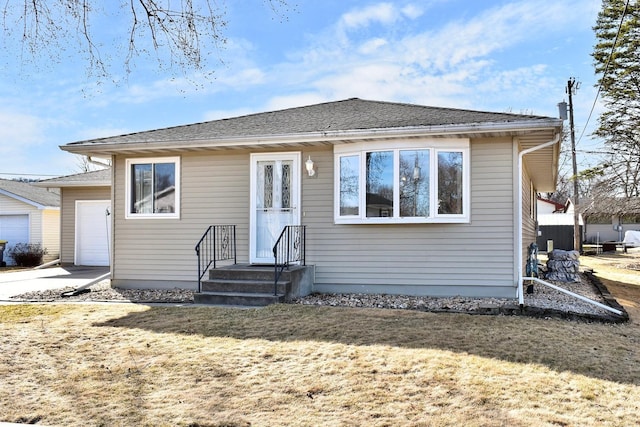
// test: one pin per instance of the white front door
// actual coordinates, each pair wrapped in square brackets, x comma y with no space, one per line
[275,201]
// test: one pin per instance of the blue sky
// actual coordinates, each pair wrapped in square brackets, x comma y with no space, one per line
[500,56]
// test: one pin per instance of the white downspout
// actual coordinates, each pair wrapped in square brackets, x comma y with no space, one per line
[97,163]
[519,219]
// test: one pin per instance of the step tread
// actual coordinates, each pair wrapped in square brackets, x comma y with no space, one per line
[244,281]
[241,294]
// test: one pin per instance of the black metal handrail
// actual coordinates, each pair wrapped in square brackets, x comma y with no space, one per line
[218,243]
[289,249]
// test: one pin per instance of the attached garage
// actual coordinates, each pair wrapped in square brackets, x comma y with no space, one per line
[85,237]
[93,232]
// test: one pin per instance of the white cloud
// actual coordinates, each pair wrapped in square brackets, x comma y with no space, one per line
[452,65]
[412,11]
[370,46]
[463,63]
[193,85]
[383,13]
[497,29]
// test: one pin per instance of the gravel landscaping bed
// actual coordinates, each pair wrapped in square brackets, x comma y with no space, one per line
[103,292]
[542,302]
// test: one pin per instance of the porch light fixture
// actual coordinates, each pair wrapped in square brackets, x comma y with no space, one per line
[309,165]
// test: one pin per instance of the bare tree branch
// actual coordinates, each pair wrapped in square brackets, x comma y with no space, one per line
[180,34]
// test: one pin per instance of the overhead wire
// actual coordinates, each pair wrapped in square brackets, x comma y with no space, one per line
[606,69]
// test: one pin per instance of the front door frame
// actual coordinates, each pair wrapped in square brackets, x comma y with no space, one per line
[296,184]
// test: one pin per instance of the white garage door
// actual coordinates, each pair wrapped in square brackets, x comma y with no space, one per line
[14,229]
[93,232]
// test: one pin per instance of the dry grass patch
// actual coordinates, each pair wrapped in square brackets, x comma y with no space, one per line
[126,364]
[618,271]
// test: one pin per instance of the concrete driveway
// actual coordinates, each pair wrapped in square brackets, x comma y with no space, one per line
[18,282]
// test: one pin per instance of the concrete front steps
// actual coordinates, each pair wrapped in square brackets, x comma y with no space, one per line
[249,285]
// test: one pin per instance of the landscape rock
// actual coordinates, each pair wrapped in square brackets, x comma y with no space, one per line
[543,301]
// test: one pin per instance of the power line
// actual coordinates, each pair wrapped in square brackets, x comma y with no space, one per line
[606,69]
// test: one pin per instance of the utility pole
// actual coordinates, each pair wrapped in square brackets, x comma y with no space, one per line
[572,87]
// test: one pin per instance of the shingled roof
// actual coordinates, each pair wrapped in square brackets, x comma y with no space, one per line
[30,194]
[331,118]
[99,178]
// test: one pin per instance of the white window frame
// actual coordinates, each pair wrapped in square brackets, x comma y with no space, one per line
[153,161]
[434,146]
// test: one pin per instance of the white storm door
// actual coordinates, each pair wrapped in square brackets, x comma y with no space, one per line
[275,201]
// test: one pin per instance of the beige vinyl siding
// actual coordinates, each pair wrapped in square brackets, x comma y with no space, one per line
[214,190]
[69,196]
[447,259]
[51,233]
[419,258]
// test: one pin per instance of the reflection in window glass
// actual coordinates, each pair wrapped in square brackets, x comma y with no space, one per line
[285,185]
[449,182]
[349,182]
[164,192]
[141,192]
[379,184]
[414,183]
[268,182]
[153,188]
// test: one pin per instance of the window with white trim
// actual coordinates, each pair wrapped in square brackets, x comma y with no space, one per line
[153,187]
[402,182]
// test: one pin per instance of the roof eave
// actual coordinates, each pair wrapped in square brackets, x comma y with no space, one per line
[25,200]
[65,184]
[512,128]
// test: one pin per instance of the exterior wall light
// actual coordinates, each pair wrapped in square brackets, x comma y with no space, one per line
[309,165]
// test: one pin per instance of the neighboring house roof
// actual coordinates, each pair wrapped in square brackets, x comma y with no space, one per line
[100,178]
[562,214]
[30,194]
[610,206]
[338,122]
[558,207]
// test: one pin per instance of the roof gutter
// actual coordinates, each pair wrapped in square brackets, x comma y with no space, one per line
[521,155]
[94,146]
